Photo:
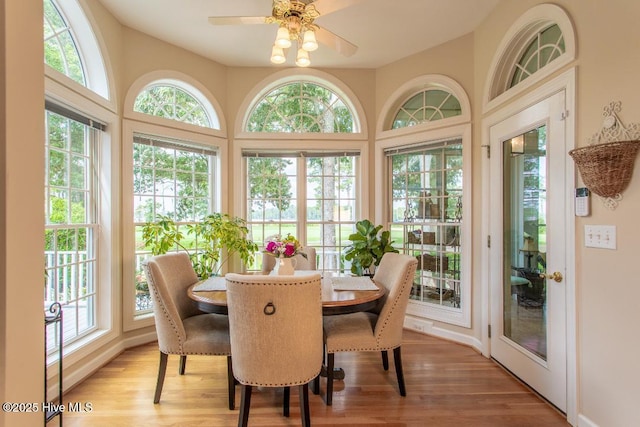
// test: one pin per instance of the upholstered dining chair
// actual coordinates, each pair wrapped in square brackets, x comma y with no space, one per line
[302,263]
[275,324]
[380,330]
[181,328]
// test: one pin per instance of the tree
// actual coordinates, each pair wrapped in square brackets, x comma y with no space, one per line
[268,182]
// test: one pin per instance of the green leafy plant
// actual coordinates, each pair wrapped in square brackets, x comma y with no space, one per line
[210,243]
[367,247]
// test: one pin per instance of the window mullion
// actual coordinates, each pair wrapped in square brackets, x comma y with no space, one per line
[301,194]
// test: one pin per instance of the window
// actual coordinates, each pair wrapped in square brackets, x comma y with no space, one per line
[301,107]
[173,179]
[60,51]
[427,106]
[173,103]
[538,44]
[425,169]
[310,194]
[547,46]
[426,198]
[305,194]
[71,228]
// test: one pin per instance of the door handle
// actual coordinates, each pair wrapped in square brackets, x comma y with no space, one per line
[556,275]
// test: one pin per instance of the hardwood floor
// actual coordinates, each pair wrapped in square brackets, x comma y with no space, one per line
[447,385]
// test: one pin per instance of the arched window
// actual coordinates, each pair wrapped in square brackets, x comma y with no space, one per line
[427,106]
[172,102]
[301,107]
[545,47]
[175,168]
[77,209]
[60,50]
[299,185]
[539,43]
[423,155]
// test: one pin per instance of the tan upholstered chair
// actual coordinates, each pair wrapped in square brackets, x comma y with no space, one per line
[380,331]
[181,328]
[276,335]
[302,263]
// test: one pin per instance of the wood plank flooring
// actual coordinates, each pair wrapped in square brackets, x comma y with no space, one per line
[447,385]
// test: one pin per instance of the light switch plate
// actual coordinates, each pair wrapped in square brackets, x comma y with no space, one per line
[600,236]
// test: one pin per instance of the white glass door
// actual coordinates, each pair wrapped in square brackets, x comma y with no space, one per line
[529,203]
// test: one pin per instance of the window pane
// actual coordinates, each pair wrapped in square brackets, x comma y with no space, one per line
[301,107]
[175,182]
[70,206]
[426,199]
[329,209]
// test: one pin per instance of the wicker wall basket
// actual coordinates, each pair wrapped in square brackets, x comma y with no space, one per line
[606,169]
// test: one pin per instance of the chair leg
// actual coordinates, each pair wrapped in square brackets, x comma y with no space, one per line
[397,360]
[316,385]
[162,369]
[329,399]
[304,405]
[231,385]
[245,403]
[285,402]
[385,360]
[183,364]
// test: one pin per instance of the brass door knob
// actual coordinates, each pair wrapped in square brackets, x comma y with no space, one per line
[556,275]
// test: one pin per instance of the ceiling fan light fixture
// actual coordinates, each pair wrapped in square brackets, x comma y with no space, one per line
[283,40]
[309,42]
[302,59]
[277,55]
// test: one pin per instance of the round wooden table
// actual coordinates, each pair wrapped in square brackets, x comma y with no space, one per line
[333,302]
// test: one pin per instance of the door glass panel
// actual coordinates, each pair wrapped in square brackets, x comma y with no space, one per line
[525,240]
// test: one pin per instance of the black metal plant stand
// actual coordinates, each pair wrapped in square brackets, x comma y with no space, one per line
[54,318]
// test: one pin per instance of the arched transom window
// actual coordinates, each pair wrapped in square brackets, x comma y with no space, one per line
[546,46]
[173,103]
[60,50]
[301,107]
[427,106]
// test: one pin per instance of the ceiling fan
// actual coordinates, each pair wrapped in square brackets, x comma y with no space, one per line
[295,19]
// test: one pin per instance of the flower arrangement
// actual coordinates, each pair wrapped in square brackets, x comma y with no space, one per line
[281,247]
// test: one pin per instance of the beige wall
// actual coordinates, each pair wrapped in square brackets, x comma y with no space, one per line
[608,60]
[607,63]
[21,314]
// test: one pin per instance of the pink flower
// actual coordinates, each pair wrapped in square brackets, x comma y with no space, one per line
[289,249]
[271,247]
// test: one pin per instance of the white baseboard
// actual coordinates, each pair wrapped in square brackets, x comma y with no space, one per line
[585,422]
[74,374]
[429,328]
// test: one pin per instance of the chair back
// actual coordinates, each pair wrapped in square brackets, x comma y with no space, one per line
[395,273]
[168,277]
[275,324]
[302,263]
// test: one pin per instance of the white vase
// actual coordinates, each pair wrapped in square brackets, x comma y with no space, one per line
[284,266]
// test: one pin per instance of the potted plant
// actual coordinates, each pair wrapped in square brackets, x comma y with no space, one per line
[367,247]
[218,237]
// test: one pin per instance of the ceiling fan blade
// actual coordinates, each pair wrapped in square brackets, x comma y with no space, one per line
[326,7]
[235,20]
[335,42]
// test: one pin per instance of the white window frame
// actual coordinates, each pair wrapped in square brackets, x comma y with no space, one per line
[457,127]
[94,101]
[140,123]
[256,141]
[509,52]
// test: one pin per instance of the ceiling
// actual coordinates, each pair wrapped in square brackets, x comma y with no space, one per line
[383,30]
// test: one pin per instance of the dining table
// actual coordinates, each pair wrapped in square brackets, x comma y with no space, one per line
[341,294]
